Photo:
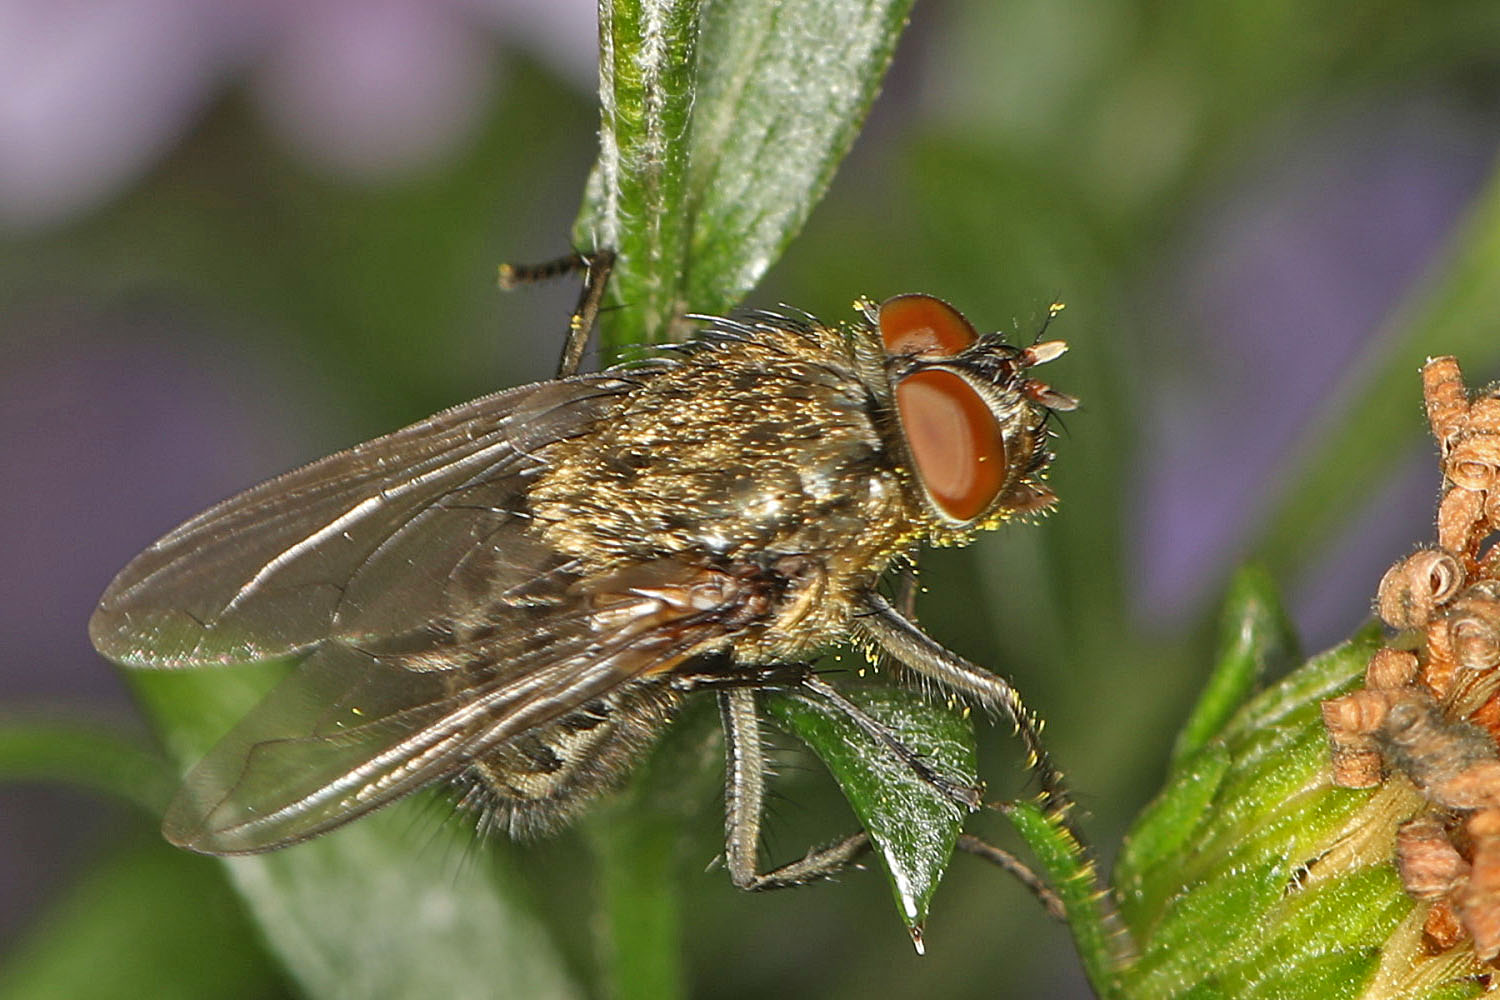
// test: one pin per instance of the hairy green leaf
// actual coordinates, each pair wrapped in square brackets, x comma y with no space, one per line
[718,138]
[913,824]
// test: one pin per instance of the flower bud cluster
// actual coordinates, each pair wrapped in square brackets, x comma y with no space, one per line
[1429,712]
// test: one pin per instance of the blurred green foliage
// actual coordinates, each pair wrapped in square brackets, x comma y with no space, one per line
[1025,150]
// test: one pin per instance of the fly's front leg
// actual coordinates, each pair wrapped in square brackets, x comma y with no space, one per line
[901,639]
[596,267]
[744,797]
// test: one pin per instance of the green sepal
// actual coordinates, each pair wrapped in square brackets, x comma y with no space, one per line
[1252,875]
[1255,639]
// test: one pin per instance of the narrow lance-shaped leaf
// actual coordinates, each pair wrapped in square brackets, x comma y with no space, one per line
[1074,877]
[717,139]
[784,88]
[647,68]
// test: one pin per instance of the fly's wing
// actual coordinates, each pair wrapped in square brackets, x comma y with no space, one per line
[353,729]
[416,528]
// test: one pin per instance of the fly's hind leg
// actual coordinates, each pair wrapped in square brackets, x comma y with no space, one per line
[744,798]
[596,267]
[745,772]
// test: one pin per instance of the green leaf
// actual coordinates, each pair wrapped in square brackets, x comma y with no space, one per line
[149,921]
[400,904]
[785,87]
[913,824]
[1165,827]
[88,755]
[716,140]
[1254,638]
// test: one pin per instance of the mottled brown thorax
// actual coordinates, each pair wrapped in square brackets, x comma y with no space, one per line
[740,456]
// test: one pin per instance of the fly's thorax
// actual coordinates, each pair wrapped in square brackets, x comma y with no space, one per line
[742,450]
[755,454]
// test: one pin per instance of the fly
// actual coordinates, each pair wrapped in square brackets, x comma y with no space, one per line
[515,595]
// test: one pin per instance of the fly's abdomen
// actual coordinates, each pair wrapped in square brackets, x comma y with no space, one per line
[536,783]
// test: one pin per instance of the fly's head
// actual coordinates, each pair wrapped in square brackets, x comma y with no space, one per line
[963,414]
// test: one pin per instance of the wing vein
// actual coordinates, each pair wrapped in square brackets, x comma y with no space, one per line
[353,516]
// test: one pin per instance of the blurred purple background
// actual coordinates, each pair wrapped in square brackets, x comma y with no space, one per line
[1285,275]
[93,94]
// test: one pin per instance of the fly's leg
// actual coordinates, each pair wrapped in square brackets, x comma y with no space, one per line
[596,267]
[903,641]
[744,797]
[964,796]
[744,794]
[745,783]
[745,778]
[898,637]
[799,680]
[745,771]
[1017,869]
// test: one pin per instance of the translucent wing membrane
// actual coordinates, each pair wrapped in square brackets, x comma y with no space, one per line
[420,526]
[352,729]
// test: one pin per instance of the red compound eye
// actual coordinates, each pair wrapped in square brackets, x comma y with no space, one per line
[955,441]
[921,324]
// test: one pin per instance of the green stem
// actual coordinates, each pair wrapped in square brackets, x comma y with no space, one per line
[1101,940]
[642,904]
